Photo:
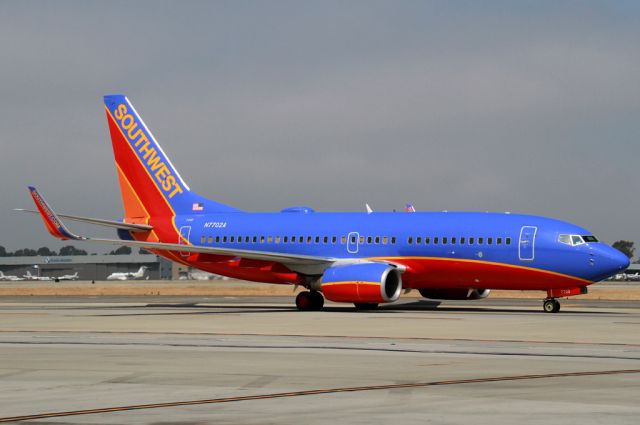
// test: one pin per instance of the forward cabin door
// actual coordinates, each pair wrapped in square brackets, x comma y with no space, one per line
[527,243]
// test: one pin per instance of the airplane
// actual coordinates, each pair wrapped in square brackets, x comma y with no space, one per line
[127,275]
[9,277]
[67,277]
[29,276]
[361,258]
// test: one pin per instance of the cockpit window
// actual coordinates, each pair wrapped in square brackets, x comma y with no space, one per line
[565,239]
[576,240]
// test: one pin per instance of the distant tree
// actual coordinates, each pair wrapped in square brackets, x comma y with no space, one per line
[45,252]
[72,250]
[626,247]
[25,252]
[143,251]
[3,252]
[123,250]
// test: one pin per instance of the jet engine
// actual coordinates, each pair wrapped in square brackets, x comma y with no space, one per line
[365,283]
[455,293]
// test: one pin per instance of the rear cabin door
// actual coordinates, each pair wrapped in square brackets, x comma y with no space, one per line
[526,246]
[183,239]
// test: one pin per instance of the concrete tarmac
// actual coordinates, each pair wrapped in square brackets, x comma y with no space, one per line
[188,360]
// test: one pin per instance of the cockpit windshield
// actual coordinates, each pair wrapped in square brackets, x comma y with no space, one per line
[576,239]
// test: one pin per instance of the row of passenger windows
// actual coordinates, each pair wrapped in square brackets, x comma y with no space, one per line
[384,240]
[462,240]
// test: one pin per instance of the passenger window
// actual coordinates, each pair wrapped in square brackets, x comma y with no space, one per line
[217,239]
[480,241]
[499,241]
[471,241]
[426,240]
[410,240]
[453,241]
[317,239]
[343,240]
[277,239]
[269,239]
[508,241]
[444,240]
[462,240]
[232,239]
[333,239]
[224,239]
[202,239]
[490,241]
[377,240]
[385,239]
[369,239]
[246,239]
[393,239]
[309,238]
[261,239]
[326,239]
[361,241]
[285,239]
[418,240]
[211,239]
[255,239]
[435,240]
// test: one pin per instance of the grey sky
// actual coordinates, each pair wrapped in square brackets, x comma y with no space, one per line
[505,106]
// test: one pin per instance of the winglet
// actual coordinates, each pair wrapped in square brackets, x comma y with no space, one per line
[51,220]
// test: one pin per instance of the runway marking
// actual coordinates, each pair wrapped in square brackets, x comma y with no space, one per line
[398,338]
[312,392]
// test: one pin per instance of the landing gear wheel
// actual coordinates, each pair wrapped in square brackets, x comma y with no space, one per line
[309,301]
[317,300]
[551,305]
[365,306]
[303,301]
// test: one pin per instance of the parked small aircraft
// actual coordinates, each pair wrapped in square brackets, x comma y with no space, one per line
[67,277]
[9,277]
[128,275]
[29,276]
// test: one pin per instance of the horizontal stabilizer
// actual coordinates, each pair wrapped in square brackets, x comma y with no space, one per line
[99,222]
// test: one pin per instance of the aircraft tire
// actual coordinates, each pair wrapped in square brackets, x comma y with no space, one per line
[317,300]
[551,305]
[304,301]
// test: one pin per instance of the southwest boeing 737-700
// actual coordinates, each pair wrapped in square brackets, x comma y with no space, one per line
[360,258]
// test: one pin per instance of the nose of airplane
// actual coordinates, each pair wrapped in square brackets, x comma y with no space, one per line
[610,261]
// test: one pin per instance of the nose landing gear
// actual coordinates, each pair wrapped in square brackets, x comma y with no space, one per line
[551,305]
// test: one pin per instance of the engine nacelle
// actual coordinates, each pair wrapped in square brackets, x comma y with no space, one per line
[362,283]
[455,293]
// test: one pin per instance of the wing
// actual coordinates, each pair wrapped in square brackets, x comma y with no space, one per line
[58,229]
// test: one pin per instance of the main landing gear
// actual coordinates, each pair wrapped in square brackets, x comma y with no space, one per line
[551,305]
[309,301]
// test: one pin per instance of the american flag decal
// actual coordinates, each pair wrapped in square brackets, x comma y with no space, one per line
[197,206]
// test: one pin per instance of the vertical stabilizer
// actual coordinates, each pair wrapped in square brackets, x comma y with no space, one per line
[149,183]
